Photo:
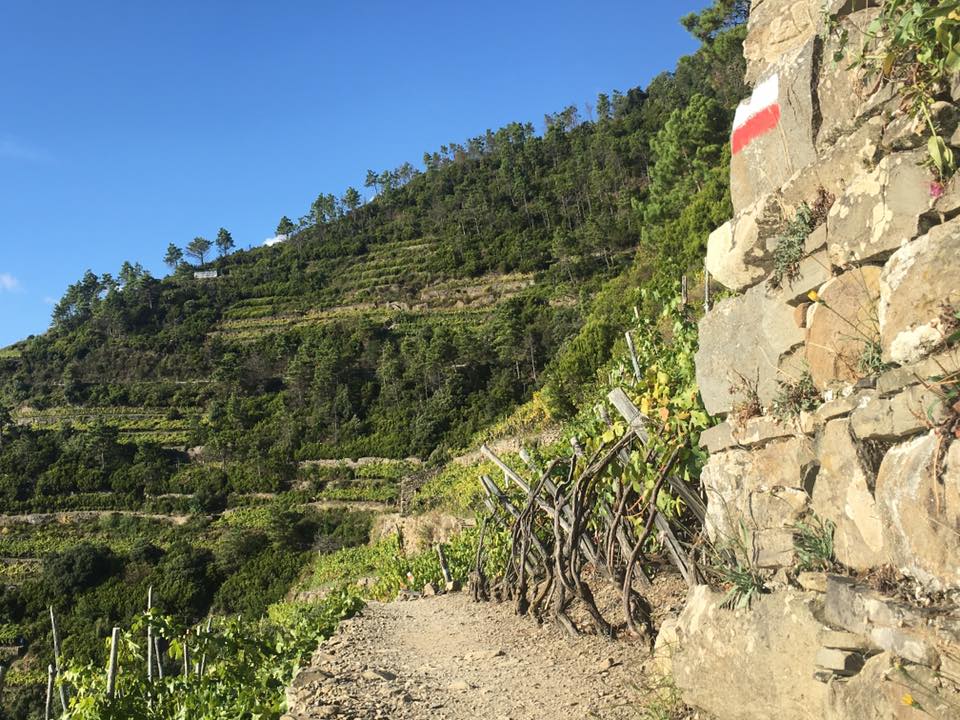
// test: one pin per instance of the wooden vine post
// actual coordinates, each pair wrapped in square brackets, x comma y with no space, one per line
[48,706]
[56,658]
[149,636]
[112,667]
[633,356]
[444,567]
[156,654]
[203,660]
[706,289]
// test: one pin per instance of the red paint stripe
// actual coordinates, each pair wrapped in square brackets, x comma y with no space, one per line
[757,125]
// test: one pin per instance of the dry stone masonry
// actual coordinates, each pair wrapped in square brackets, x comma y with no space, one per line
[833,382]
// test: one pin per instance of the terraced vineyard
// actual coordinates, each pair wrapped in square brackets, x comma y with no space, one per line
[389,279]
[163,426]
[371,480]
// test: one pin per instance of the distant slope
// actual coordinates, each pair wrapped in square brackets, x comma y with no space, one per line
[406,324]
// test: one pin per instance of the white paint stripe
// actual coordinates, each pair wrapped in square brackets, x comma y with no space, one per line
[764,95]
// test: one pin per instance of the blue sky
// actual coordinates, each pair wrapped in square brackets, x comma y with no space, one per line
[129,125]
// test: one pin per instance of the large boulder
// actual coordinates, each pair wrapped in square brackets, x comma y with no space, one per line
[918,495]
[919,282]
[842,327]
[880,210]
[762,492]
[842,494]
[777,27]
[751,664]
[882,690]
[740,252]
[744,338]
[774,129]
[891,419]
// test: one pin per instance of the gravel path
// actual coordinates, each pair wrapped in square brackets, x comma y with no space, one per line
[448,657]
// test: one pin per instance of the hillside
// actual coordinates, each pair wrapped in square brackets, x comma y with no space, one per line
[201,437]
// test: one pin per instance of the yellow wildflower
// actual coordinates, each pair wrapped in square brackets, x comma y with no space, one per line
[908,700]
[814,297]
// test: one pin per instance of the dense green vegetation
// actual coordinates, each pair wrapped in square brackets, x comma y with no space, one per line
[95,573]
[505,269]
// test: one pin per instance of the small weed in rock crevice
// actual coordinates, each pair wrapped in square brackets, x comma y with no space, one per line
[749,406]
[871,360]
[913,43]
[732,564]
[950,324]
[791,244]
[790,247]
[821,206]
[794,397]
[813,542]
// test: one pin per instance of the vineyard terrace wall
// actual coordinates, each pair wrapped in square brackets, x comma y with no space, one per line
[830,360]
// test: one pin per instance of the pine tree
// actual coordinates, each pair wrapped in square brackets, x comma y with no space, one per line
[198,249]
[174,257]
[224,241]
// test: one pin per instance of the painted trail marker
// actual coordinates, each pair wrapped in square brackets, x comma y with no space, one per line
[758,115]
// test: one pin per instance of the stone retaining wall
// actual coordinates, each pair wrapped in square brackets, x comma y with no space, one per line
[857,331]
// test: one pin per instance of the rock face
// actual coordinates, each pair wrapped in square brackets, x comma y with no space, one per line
[761,494]
[919,505]
[774,129]
[877,693]
[890,419]
[880,210]
[842,494]
[841,327]
[777,28]
[918,283]
[744,337]
[844,93]
[877,455]
[751,664]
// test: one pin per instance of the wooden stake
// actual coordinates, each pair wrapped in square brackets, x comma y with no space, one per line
[706,289]
[112,667]
[149,636]
[444,568]
[48,707]
[56,658]
[203,660]
[683,290]
[630,412]
[633,357]
[156,653]
[186,655]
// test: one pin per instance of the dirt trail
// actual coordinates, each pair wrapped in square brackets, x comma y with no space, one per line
[448,657]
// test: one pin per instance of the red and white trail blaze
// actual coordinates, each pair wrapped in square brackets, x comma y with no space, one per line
[758,115]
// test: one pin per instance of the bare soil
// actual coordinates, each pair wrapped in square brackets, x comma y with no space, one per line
[449,657]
